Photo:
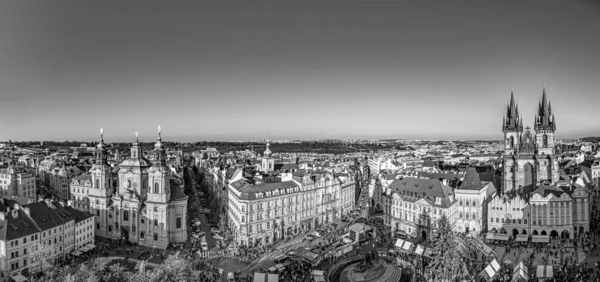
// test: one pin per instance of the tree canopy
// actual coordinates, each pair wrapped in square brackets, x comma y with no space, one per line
[448,260]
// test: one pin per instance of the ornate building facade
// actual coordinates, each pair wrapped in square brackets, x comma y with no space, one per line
[534,199]
[138,201]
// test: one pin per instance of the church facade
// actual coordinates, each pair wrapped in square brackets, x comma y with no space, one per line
[138,201]
[533,198]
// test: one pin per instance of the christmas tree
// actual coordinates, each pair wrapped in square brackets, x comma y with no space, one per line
[448,262]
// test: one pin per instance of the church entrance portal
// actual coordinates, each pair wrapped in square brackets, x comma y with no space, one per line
[124,233]
[423,235]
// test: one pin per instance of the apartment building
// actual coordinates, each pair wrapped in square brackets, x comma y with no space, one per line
[19,235]
[262,212]
[418,204]
[84,228]
[17,182]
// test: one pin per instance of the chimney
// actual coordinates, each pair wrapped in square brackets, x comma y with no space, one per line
[70,203]
[15,213]
[27,210]
[62,204]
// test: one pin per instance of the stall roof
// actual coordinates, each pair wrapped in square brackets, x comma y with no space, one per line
[490,236]
[407,245]
[259,277]
[273,277]
[501,237]
[540,238]
[399,243]
[489,270]
[545,271]
[522,238]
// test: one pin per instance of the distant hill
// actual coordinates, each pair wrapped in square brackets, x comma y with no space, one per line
[594,139]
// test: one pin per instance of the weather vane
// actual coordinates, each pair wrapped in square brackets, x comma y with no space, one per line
[159,132]
[136,136]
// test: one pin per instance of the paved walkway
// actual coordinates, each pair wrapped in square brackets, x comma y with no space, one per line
[106,260]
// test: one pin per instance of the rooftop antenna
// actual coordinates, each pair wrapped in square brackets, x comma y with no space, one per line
[137,134]
[159,137]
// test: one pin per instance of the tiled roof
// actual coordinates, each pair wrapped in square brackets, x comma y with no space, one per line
[78,215]
[176,193]
[546,190]
[44,216]
[15,227]
[248,190]
[471,180]
[430,187]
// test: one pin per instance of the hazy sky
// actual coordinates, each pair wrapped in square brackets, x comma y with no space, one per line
[207,70]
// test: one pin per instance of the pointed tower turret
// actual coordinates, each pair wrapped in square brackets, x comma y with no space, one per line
[513,127]
[159,173]
[136,150]
[101,171]
[544,134]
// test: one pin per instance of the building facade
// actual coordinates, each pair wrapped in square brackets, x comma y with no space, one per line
[418,204]
[534,199]
[17,182]
[142,203]
[262,212]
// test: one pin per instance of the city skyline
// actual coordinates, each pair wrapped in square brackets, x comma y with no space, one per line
[307,71]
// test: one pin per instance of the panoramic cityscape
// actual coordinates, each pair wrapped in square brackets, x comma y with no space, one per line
[367,141]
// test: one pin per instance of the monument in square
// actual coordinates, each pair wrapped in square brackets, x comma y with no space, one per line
[371,269]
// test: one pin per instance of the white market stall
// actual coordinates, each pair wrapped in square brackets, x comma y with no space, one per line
[544,271]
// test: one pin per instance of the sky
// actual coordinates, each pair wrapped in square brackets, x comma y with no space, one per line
[244,70]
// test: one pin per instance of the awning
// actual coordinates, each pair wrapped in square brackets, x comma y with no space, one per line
[259,277]
[273,277]
[490,271]
[419,250]
[522,238]
[319,278]
[399,243]
[76,253]
[19,278]
[490,236]
[545,271]
[230,275]
[540,238]
[501,237]
[279,266]
[407,245]
[272,269]
[495,265]
[317,272]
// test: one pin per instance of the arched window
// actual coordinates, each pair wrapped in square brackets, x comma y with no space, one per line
[142,234]
[128,183]
[110,228]
[155,237]
[156,222]
[97,183]
[178,222]
[126,215]
[545,140]
[460,215]
[511,142]
[156,188]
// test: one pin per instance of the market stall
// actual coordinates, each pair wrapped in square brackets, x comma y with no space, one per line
[540,238]
[501,237]
[522,238]
[544,271]
[520,273]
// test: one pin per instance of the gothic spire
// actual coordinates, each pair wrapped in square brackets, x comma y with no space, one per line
[544,120]
[512,114]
